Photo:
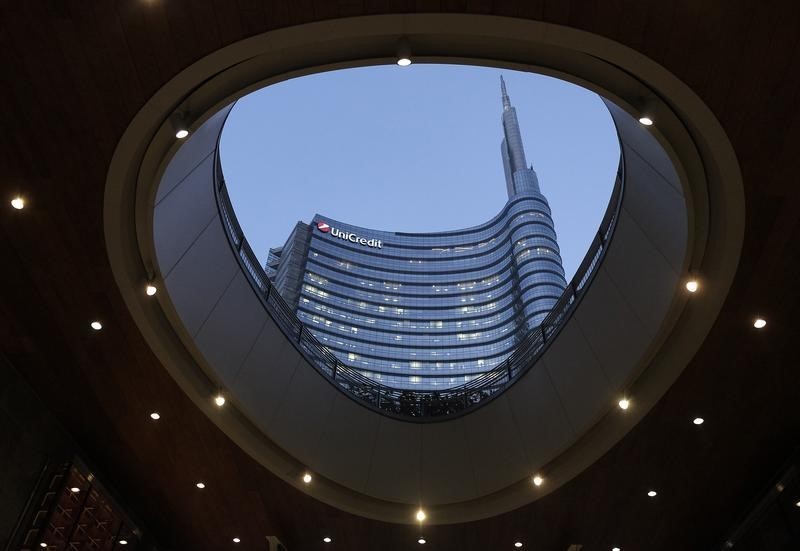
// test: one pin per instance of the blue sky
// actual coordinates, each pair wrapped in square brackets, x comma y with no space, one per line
[414,149]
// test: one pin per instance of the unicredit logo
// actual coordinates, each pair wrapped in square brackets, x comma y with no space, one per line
[348,236]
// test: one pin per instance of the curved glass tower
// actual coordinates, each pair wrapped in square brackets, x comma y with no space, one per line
[428,310]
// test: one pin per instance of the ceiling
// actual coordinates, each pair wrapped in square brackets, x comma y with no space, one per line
[75,73]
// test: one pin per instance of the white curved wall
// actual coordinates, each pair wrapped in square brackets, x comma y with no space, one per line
[600,350]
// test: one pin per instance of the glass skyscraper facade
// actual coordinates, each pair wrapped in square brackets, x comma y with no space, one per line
[428,310]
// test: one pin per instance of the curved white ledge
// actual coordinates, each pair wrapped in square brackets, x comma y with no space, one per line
[633,333]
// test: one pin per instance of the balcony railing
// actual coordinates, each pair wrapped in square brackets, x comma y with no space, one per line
[418,405]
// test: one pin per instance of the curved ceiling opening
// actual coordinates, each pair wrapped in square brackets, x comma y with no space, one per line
[509,175]
[634,330]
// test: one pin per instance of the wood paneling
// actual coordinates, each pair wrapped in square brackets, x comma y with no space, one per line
[75,73]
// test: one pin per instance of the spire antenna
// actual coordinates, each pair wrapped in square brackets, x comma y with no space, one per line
[506,101]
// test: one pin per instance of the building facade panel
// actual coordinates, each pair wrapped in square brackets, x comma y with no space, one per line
[428,310]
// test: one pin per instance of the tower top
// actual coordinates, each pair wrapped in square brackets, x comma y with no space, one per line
[506,100]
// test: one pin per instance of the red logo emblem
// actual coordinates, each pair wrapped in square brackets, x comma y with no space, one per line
[323,227]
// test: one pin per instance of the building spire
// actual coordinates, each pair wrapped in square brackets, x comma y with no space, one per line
[519,178]
[506,101]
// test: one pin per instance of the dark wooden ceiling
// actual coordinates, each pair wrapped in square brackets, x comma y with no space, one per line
[75,72]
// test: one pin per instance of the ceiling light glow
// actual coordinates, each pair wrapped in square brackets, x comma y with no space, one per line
[624,403]
[74,489]
[652,493]
[759,323]
[421,515]
[645,120]
[307,478]
[538,480]
[326,539]
[181,134]
[698,420]
[18,203]
[219,400]
[518,544]
[43,544]
[200,485]
[236,540]
[692,285]
[403,61]
[123,542]
[421,541]
[155,416]
[96,325]
[151,290]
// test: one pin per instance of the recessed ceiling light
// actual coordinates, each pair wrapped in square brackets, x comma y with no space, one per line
[236,540]
[155,416]
[403,61]
[645,120]
[219,400]
[123,542]
[326,539]
[74,489]
[96,325]
[698,420]
[421,515]
[43,544]
[421,541]
[307,478]
[624,403]
[615,549]
[181,134]
[692,285]
[652,493]
[18,203]
[200,485]
[518,544]
[538,480]
[150,289]
[759,323]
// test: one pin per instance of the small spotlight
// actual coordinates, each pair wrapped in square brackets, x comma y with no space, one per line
[421,515]
[538,480]
[307,478]
[123,542]
[616,549]
[181,134]
[692,285]
[326,539]
[421,541]
[236,540]
[74,489]
[759,323]
[200,485]
[698,420]
[155,416]
[797,504]
[652,493]
[403,52]
[96,325]
[219,400]
[624,403]
[43,544]
[19,203]
[646,121]
[150,290]
[518,544]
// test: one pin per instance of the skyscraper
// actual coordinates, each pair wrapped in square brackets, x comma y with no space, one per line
[428,310]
